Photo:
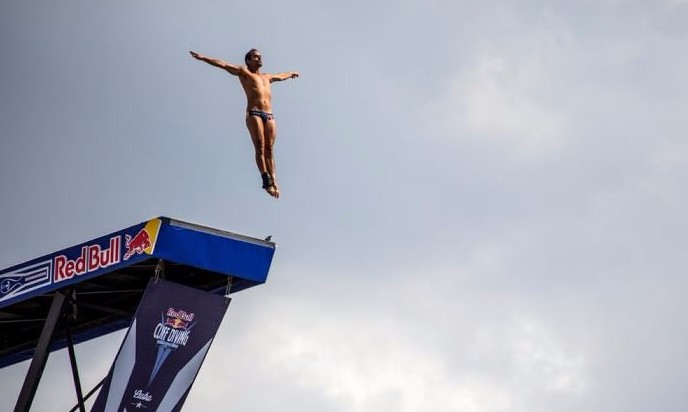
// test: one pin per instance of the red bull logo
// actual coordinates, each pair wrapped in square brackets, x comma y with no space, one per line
[96,257]
[173,332]
[143,241]
[137,244]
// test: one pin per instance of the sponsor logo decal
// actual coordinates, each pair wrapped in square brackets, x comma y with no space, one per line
[143,241]
[173,332]
[25,280]
[92,258]
[67,265]
[139,398]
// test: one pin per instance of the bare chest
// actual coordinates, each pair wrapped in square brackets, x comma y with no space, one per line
[256,83]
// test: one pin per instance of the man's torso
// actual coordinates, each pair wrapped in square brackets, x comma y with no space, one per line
[257,89]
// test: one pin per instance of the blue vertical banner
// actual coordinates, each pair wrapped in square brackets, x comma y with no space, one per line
[163,350]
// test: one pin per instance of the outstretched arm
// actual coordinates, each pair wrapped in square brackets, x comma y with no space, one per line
[283,76]
[231,68]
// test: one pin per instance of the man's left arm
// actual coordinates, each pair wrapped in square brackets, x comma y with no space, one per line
[283,76]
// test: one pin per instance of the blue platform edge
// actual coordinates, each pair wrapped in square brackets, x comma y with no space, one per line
[245,259]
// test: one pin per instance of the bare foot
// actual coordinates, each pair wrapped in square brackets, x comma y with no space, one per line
[277,192]
[272,191]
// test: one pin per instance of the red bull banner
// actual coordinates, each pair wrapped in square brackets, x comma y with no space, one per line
[79,262]
[163,350]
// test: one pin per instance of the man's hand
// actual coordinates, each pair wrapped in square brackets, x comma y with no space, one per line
[196,55]
[294,75]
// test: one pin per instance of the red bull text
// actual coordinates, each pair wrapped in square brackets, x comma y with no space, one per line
[180,314]
[92,258]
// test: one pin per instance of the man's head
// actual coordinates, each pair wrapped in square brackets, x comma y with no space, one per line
[253,59]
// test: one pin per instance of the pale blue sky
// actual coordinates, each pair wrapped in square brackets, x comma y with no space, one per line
[483,203]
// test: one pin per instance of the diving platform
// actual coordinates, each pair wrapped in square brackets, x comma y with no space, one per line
[100,282]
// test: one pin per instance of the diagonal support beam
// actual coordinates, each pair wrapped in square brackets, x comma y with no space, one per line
[40,357]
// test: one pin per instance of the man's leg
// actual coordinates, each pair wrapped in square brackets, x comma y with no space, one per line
[270,136]
[255,129]
[257,132]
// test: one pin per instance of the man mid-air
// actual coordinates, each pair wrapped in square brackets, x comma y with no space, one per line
[259,118]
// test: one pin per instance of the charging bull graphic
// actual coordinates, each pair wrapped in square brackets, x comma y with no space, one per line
[143,241]
[137,244]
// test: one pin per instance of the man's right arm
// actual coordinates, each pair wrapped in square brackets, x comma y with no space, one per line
[231,68]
